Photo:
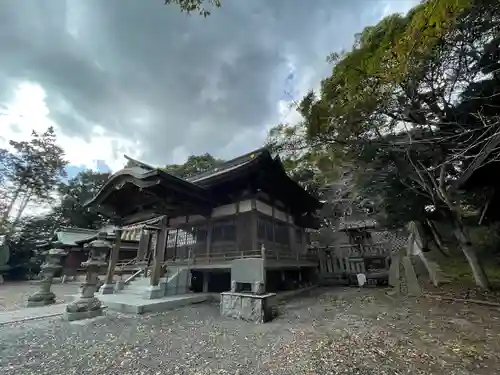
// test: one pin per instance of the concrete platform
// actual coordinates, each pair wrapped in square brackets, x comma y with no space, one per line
[132,304]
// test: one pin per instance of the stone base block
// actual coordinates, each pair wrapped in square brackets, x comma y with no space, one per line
[249,307]
[79,315]
[153,292]
[119,285]
[163,286]
[107,289]
[1,279]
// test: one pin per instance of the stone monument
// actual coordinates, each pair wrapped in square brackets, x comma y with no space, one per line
[49,267]
[255,305]
[88,306]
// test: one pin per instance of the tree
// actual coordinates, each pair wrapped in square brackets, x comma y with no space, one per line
[395,95]
[32,170]
[190,6]
[194,164]
[74,194]
[309,163]
[33,231]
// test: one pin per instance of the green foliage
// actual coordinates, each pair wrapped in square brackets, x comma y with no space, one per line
[38,164]
[395,95]
[74,194]
[194,164]
[311,165]
[190,6]
[29,173]
[4,251]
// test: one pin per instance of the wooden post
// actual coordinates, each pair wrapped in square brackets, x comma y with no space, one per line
[159,252]
[237,228]
[253,225]
[164,255]
[143,245]
[115,253]
[107,287]
[209,236]
[175,244]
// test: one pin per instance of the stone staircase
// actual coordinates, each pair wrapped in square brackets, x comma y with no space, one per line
[176,283]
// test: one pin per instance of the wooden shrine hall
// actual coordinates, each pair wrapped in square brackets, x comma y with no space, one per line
[193,229]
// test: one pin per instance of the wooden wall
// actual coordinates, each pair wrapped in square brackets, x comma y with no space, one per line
[235,227]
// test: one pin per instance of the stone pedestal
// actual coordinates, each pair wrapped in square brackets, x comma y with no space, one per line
[153,292]
[88,306]
[249,307]
[119,285]
[163,285]
[44,296]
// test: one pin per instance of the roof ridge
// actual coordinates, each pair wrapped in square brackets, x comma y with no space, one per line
[229,163]
[140,163]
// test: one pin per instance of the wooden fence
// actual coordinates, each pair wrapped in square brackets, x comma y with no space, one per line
[342,263]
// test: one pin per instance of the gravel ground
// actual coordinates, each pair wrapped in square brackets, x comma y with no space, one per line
[331,331]
[14,295]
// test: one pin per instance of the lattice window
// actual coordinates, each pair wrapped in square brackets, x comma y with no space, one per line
[224,231]
[281,233]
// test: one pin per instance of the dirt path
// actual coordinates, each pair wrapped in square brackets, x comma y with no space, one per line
[331,331]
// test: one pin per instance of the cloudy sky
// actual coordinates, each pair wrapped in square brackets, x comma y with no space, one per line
[140,78]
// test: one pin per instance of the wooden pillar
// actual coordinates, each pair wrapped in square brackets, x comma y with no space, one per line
[115,253]
[159,251]
[253,225]
[209,236]
[108,287]
[237,227]
[143,245]
[164,255]
[276,247]
[175,243]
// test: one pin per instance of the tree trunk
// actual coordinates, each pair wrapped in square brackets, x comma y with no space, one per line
[7,212]
[24,203]
[437,239]
[462,235]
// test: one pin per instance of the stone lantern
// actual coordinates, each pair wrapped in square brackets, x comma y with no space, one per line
[88,306]
[51,264]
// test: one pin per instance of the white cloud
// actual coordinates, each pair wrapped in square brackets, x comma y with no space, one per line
[28,111]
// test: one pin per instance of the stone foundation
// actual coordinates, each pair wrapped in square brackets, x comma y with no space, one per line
[248,307]
[79,315]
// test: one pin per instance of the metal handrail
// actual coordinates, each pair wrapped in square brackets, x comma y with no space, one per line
[125,263]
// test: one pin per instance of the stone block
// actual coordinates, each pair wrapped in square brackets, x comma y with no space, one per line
[394,271]
[79,315]
[107,289]
[119,285]
[163,285]
[258,287]
[413,285]
[248,307]
[153,292]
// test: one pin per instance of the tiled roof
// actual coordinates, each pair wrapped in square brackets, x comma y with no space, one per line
[70,236]
[228,166]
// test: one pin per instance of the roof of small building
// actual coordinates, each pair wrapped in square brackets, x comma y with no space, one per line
[67,236]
